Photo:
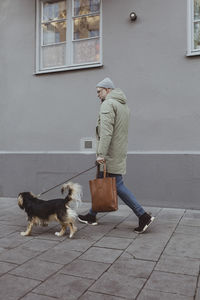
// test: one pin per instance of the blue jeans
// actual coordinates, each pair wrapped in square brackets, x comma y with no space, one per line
[126,196]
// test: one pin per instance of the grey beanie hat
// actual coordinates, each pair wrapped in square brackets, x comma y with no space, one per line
[106,83]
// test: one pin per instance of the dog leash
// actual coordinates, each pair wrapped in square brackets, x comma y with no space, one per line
[65,181]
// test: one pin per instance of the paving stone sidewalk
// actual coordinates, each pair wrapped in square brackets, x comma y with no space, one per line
[108,261]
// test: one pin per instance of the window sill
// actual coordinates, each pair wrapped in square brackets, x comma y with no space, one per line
[64,69]
[195,53]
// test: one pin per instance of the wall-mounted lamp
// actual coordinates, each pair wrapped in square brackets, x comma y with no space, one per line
[133,16]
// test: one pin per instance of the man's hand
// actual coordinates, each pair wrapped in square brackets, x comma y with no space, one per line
[100,160]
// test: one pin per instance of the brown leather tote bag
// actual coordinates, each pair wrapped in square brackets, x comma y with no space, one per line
[104,193]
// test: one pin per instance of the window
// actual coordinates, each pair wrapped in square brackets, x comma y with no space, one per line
[193,26]
[68,35]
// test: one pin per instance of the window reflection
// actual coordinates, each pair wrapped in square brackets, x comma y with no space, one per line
[86,27]
[84,7]
[54,32]
[196,9]
[197,35]
[54,10]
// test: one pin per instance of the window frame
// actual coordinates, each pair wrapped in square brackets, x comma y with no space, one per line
[190,30]
[69,45]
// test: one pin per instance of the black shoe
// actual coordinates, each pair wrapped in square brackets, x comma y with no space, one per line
[144,222]
[88,219]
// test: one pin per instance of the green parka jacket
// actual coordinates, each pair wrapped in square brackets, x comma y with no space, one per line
[112,131]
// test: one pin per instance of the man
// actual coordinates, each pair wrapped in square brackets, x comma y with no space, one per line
[112,141]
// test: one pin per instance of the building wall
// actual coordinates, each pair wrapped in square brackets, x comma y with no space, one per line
[52,112]
[167,180]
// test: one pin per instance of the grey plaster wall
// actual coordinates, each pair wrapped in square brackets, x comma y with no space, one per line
[165,180]
[52,112]
[145,58]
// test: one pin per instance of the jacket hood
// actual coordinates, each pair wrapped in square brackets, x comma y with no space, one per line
[118,95]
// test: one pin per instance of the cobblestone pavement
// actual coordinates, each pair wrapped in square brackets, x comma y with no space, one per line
[108,261]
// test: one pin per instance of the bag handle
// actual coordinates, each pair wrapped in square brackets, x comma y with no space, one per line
[104,170]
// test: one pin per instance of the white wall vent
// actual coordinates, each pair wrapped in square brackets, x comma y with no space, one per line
[88,144]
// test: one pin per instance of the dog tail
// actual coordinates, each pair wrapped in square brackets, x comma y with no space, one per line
[74,192]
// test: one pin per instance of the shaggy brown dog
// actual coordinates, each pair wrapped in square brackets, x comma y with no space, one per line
[40,212]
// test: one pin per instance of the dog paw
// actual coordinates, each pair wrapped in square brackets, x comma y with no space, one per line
[23,233]
[72,233]
[58,234]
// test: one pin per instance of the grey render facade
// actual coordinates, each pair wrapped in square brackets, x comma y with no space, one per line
[44,118]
